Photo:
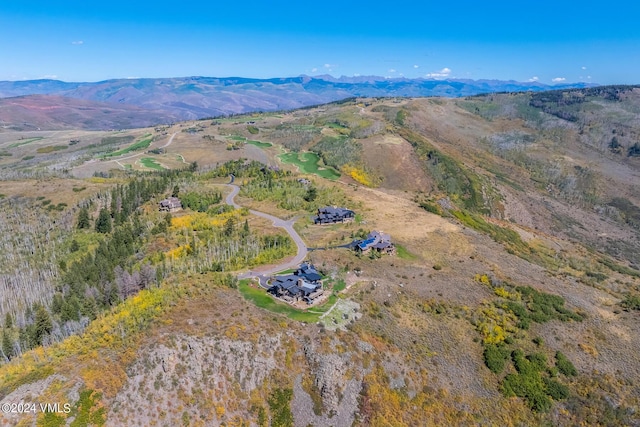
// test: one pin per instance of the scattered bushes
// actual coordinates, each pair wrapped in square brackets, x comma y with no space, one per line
[565,366]
[529,383]
[200,202]
[495,357]
[530,305]
[631,302]
[51,149]
[634,150]
[338,151]
[280,407]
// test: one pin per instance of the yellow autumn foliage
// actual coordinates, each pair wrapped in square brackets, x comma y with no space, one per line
[203,221]
[494,324]
[179,252]
[482,278]
[114,330]
[359,175]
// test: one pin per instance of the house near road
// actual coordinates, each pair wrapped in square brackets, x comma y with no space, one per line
[305,284]
[376,241]
[333,215]
[170,204]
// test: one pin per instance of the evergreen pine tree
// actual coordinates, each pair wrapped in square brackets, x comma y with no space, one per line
[311,195]
[84,221]
[8,321]
[103,223]
[7,344]
[229,226]
[43,324]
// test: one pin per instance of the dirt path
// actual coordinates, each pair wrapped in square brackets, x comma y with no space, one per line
[277,222]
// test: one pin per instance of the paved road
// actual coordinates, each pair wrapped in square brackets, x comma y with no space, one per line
[288,227]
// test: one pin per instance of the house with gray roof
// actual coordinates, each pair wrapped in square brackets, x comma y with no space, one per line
[170,204]
[333,215]
[305,284]
[377,241]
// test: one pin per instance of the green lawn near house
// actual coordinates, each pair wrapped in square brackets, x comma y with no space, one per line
[262,299]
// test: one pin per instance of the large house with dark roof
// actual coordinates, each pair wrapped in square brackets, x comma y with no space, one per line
[303,285]
[377,241]
[170,204]
[333,214]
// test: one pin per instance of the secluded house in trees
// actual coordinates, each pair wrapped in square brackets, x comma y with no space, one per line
[377,241]
[303,285]
[170,204]
[333,214]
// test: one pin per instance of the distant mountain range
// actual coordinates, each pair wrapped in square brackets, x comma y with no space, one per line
[183,98]
[53,112]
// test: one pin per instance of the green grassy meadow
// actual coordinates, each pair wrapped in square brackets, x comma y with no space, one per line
[25,142]
[308,163]
[150,163]
[259,144]
[138,145]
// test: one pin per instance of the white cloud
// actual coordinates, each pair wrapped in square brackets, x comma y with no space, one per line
[50,76]
[534,79]
[391,70]
[77,42]
[416,66]
[558,79]
[329,67]
[584,68]
[313,70]
[445,72]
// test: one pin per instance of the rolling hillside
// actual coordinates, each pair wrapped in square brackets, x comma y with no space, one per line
[198,97]
[512,299]
[48,112]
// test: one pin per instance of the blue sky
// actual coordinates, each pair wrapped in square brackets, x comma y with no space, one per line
[549,41]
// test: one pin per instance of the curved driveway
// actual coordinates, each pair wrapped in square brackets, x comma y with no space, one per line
[277,222]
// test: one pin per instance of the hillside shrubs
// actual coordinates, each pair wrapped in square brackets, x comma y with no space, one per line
[199,201]
[338,151]
[634,150]
[280,407]
[519,306]
[565,366]
[294,137]
[292,195]
[529,382]
[631,302]
[528,304]
[362,175]
[495,357]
